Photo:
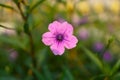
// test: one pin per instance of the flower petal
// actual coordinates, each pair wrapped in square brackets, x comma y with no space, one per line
[70,42]
[68,29]
[57,48]
[53,26]
[57,27]
[48,38]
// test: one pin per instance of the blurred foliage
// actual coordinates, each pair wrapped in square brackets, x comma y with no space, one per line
[23,56]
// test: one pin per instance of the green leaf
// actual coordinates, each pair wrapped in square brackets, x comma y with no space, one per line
[115,67]
[93,57]
[47,73]
[41,56]
[68,74]
[12,42]
[38,75]
[7,78]
[116,76]
[98,77]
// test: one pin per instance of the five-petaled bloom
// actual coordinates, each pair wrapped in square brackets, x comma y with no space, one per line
[59,37]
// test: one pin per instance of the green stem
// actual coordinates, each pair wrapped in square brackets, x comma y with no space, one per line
[108,45]
[32,50]
[6,27]
[36,5]
[21,12]
[28,32]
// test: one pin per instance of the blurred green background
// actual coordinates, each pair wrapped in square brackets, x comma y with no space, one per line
[96,24]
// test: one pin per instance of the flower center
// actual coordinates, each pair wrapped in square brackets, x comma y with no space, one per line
[59,37]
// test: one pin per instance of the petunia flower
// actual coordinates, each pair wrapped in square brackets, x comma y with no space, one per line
[59,37]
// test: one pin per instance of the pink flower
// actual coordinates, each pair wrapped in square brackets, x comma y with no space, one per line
[59,37]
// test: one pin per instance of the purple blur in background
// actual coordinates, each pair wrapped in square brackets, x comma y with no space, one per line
[84,20]
[83,34]
[98,46]
[13,56]
[107,56]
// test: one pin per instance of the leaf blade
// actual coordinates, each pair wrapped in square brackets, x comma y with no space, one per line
[115,67]
[93,57]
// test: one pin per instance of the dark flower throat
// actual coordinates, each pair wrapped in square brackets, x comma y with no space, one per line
[59,37]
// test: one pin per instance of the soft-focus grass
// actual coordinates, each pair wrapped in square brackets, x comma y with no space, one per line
[100,24]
